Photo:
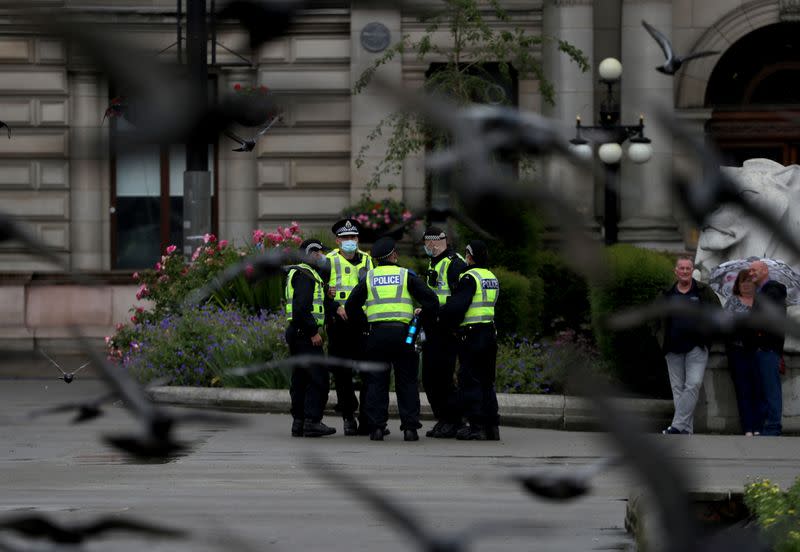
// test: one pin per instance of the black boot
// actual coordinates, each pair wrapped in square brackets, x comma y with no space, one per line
[297,427]
[446,431]
[472,433]
[350,426]
[377,434]
[434,430]
[492,433]
[410,435]
[317,429]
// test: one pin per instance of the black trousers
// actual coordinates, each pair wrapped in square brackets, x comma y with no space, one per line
[386,343]
[477,357]
[345,340]
[439,354]
[309,386]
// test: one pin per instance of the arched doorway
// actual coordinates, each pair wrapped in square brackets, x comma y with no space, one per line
[754,92]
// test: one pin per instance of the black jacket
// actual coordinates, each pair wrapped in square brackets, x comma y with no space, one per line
[707,298]
[774,293]
[303,283]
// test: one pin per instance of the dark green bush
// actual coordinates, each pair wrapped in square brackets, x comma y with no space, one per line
[519,304]
[637,276]
[566,294]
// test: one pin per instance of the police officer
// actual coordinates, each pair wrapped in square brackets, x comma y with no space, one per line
[388,292]
[348,265]
[471,309]
[305,311]
[441,346]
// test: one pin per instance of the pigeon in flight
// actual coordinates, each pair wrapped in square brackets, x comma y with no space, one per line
[560,483]
[8,128]
[66,376]
[38,526]
[250,144]
[309,362]
[673,62]
[117,108]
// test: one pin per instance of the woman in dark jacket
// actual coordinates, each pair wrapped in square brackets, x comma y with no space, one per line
[741,355]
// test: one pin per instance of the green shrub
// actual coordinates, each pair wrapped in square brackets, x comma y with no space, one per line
[418,264]
[519,304]
[197,347]
[777,512]
[527,366]
[637,276]
[565,295]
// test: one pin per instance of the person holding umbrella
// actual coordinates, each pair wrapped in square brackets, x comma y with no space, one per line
[742,356]
[770,297]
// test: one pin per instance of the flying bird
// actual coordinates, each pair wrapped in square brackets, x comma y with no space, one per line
[66,376]
[157,440]
[39,527]
[263,21]
[561,483]
[8,128]
[673,62]
[249,144]
[402,517]
[310,362]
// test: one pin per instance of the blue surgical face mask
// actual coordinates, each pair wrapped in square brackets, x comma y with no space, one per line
[428,251]
[349,246]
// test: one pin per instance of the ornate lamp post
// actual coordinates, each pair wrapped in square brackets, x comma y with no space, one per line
[613,135]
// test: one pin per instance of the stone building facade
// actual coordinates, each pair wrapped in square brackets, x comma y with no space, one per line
[58,173]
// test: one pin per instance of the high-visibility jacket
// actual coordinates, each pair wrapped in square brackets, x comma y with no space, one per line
[487,289]
[345,275]
[388,299]
[442,287]
[317,306]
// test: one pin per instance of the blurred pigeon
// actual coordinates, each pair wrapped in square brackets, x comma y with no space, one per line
[402,517]
[8,128]
[38,526]
[263,20]
[250,143]
[673,62]
[66,376]
[562,483]
[158,424]
[309,362]
[117,108]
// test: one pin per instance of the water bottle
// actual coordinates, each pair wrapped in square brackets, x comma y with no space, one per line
[412,331]
[420,341]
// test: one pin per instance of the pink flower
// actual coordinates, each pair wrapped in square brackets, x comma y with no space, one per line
[386,219]
[237,86]
[139,310]
[407,215]
[209,238]
[135,275]
[143,291]
[159,266]
[374,211]
[171,249]
[108,339]
[223,243]
[133,319]
[163,278]
[119,326]
[297,239]
[287,232]
[294,225]
[196,253]
[248,271]
[258,235]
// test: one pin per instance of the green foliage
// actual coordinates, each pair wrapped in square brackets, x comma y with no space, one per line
[528,366]
[474,44]
[637,277]
[519,304]
[777,512]
[195,347]
[566,294]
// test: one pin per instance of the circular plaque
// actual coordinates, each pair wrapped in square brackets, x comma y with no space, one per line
[375,37]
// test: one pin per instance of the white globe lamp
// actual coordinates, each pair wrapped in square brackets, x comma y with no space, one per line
[610,153]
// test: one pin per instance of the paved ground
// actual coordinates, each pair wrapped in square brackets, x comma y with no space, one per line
[247,488]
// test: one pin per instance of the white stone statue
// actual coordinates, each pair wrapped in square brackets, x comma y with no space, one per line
[728,234]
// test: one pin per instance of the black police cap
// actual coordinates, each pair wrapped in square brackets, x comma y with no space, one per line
[311,245]
[479,251]
[434,233]
[382,248]
[345,227]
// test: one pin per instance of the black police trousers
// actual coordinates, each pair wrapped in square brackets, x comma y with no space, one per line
[439,353]
[386,343]
[477,357]
[309,385]
[345,340]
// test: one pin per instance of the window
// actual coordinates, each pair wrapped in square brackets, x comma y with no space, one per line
[147,200]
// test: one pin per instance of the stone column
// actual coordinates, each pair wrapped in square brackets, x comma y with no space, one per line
[368,32]
[238,175]
[89,182]
[573,21]
[647,214]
